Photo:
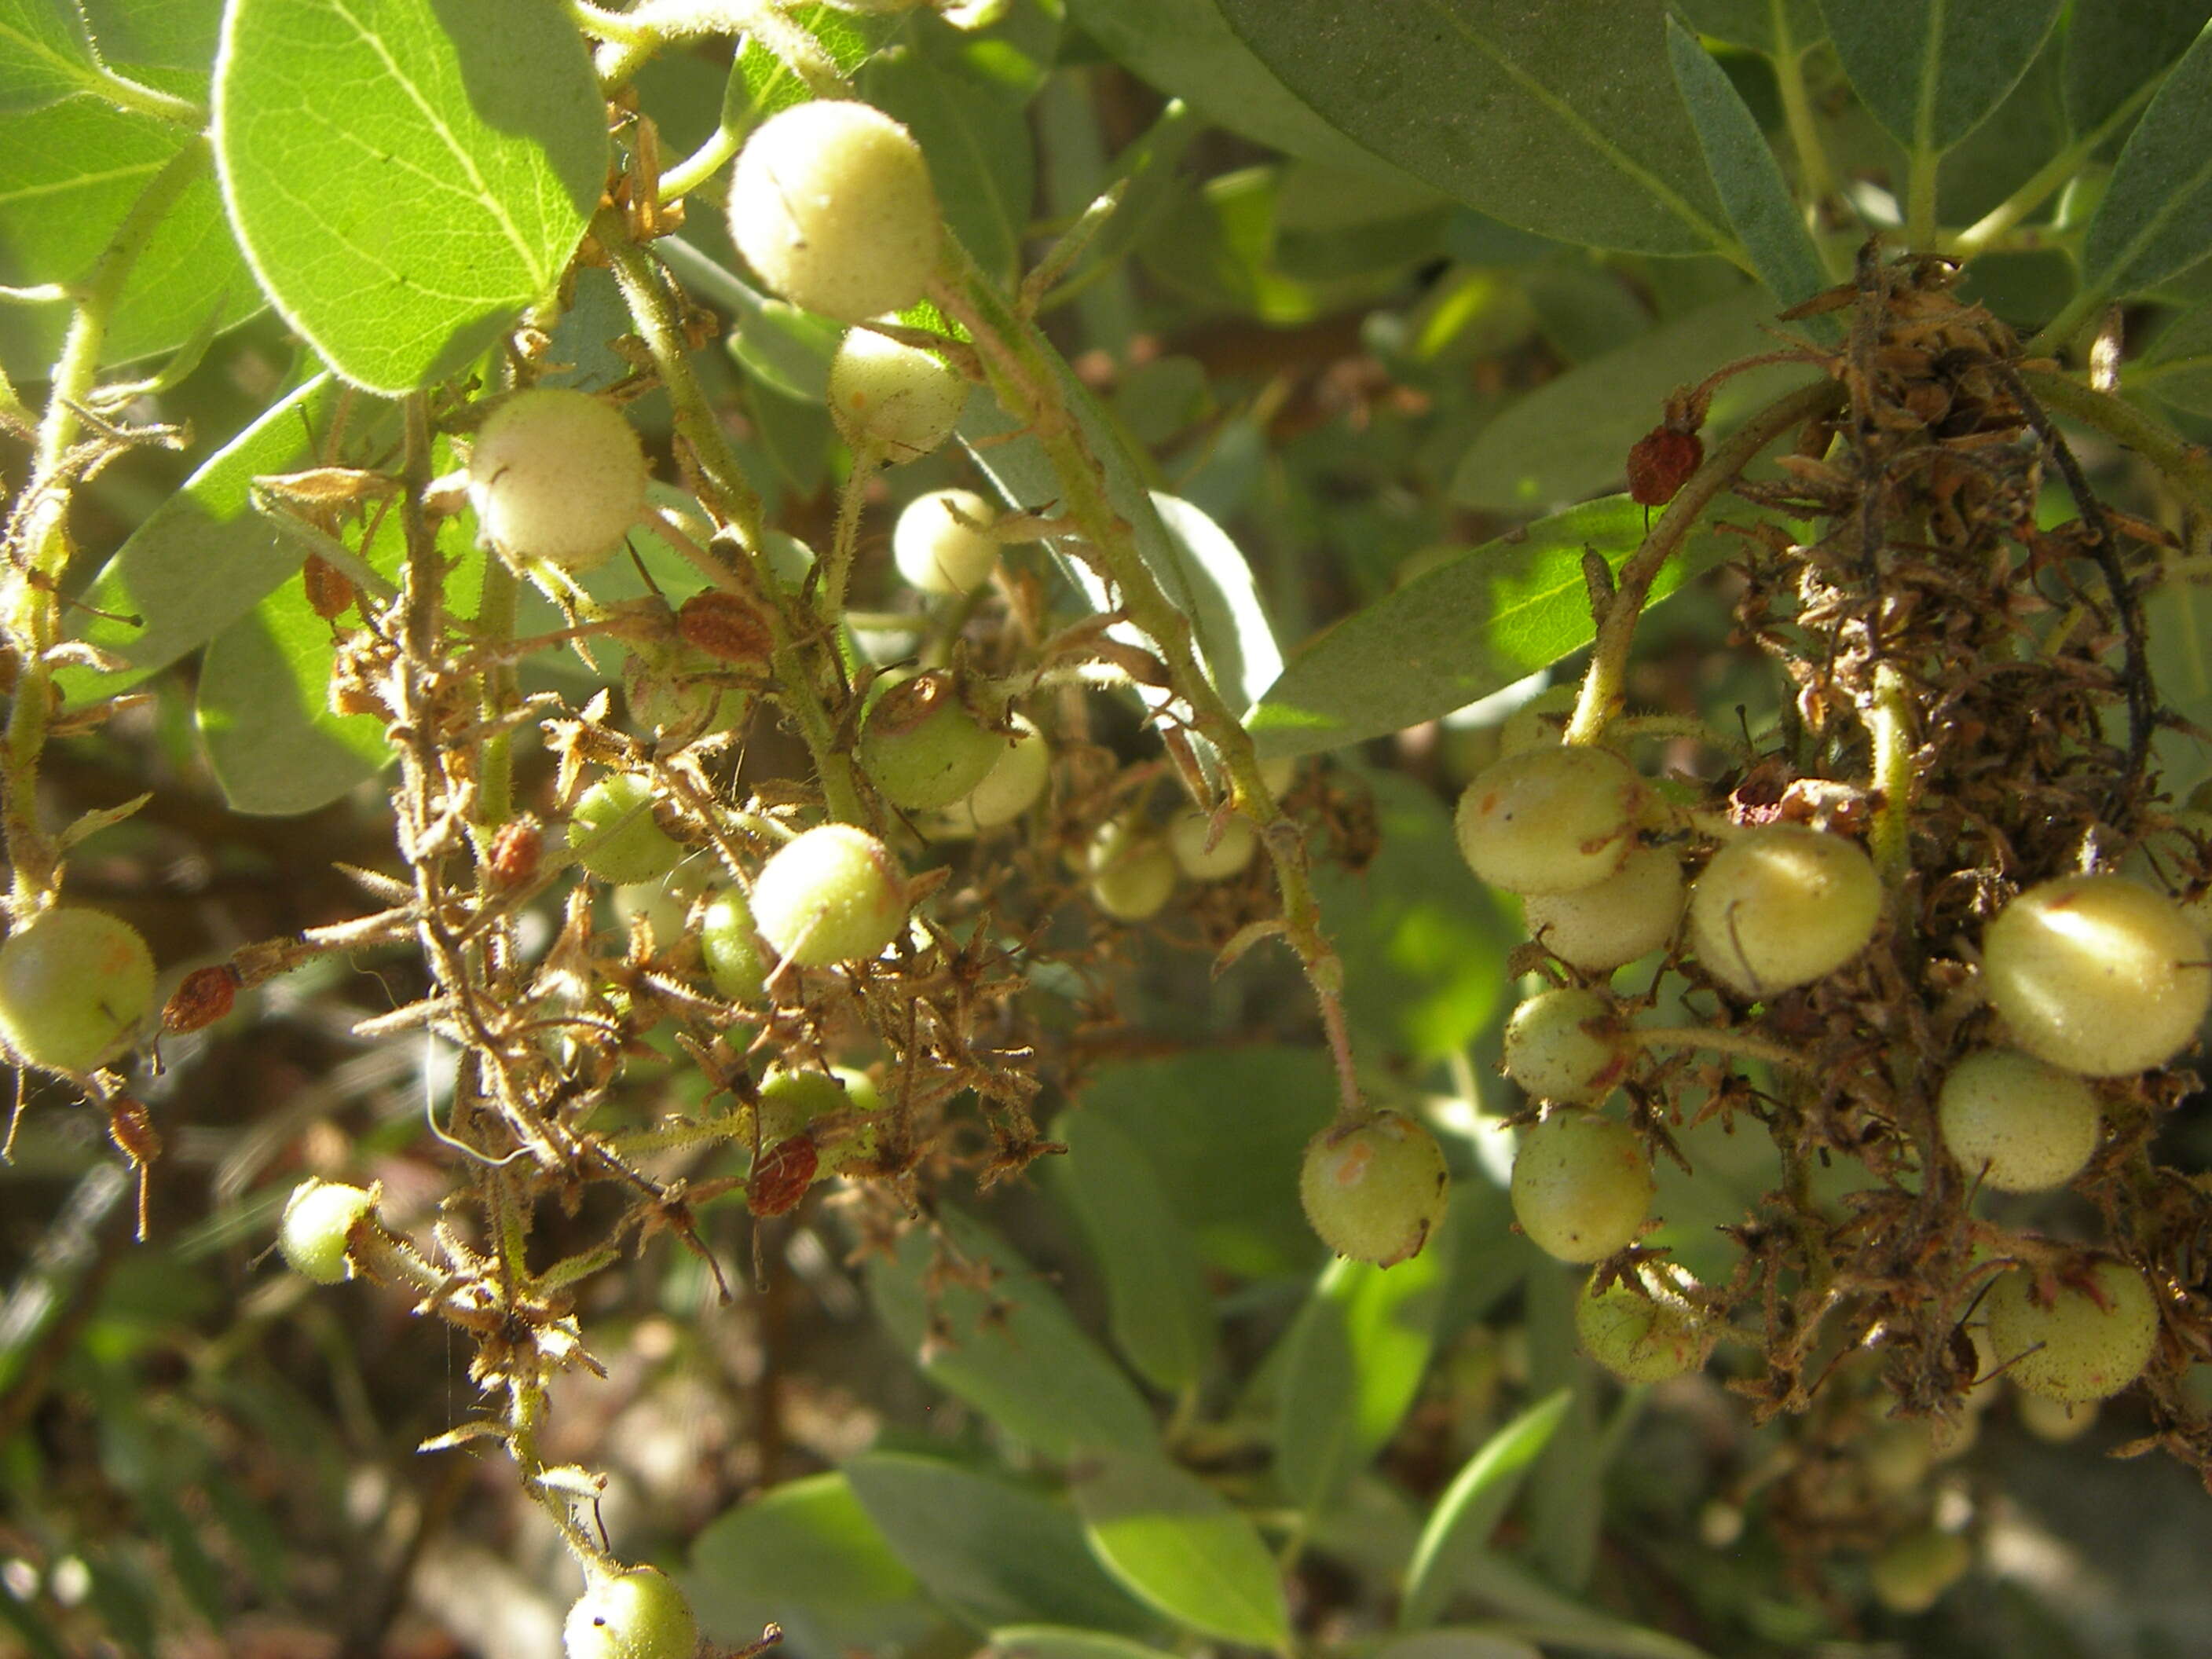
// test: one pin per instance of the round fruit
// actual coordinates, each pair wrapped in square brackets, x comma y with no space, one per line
[1009,789]
[937,553]
[319,1221]
[558,476]
[2017,1124]
[921,748]
[792,1101]
[1228,854]
[730,948]
[665,906]
[1911,1573]
[1631,914]
[1780,906]
[2097,973]
[1132,872]
[2057,1338]
[1549,820]
[834,894]
[1538,723]
[1567,1045]
[1581,1186]
[638,1614]
[2054,1421]
[1375,1189]
[892,400]
[612,834]
[831,203]
[1641,1333]
[72,984]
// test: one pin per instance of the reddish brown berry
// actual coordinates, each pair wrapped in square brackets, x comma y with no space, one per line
[514,852]
[205,997]
[781,1177]
[726,627]
[1661,462]
[330,590]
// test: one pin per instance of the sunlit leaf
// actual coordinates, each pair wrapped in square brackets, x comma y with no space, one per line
[1176,1545]
[1472,1505]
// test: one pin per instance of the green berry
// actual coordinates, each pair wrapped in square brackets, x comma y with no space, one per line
[638,1614]
[2055,1422]
[791,1102]
[890,399]
[1229,855]
[1375,1189]
[665,906]
[939,554]
[73,983]
[731,948]
[2014,1124]
[1581,1186]
[612,833]
[1911,1573]
[921,748]
[558,476]
[1550,820]
[831,203]
[1132,872]
[2057,1338]
[1631,914]
[1781,906]
[2097,973]
[1009,789]
[319,1221]
[1538,723]
[1567,1044]
[834,894]
[1641,1333]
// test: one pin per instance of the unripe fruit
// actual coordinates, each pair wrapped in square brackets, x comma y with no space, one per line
[1631,914]
[638,1614]
[1911,1573]
[318,1219]
[2018,1125]
[1009,789]
[1229,855]
[558,476]
[1581,1186]
[890,399]
[1780,906]
[731,948]
[2097,973]
[1567,1045]
[921,748]
[1538,723]
[790,1102]
[1374,1190]
[1642,1337]
[831,203]
[1549,820]
[834,894]
[73,983]
[1132,872]
[612,834]
[2068,1343]
[937,553]
[2055,1422]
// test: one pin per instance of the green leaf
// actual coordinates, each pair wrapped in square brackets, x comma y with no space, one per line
[1754,22]
[406,175]
[1159,1310]
[771,85]
[2155,218]
[1015,1355]
[1528,112]
[1931,70]
[169,44]
[264,713]
[2178,367]
[996,1552]
[1053,1642]
[1745,174]
[1351,1365]
[1472,1505]
[1571,437]
[1534,1610]
[1462,1642]
[44,54]
[2113,47]
[803,1555]
[1176,1545]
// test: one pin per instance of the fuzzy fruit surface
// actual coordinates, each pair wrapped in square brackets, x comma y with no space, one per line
[1132,872]
[1781,906]
[1375,1190]
[2073,1346]
[2017,1124]
[1229,855]
[1549,820]
[1631,914]
[319,1218]
[638,1614]
[892,399]
[791,1102]
[2097,973]
[937,553]
[612,834]
[834,894]
[1567,1044]
[73,982]
[1911,1573]
[1016,778]
[732,949]
[921,748]
[1581,1186]
[831,203]
[558,476]
[1640,1338]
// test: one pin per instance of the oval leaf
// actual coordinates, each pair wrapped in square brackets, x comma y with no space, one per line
[406,175]
[2116,48]
[1462,1642]
[1931,73]
[44,55]
[1177,1546]
[1056,1642]
[1472,1505]
[2155,218]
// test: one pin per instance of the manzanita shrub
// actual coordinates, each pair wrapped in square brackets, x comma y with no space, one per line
[1554,651]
